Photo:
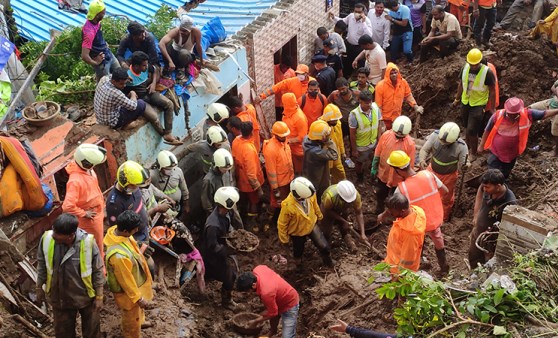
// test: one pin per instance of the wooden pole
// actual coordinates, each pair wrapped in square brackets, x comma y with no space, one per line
[28,82]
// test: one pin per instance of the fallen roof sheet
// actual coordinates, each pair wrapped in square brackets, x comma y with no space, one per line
[35,18]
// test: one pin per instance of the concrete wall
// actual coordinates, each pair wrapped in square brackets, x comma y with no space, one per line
[276,27]
[144,145]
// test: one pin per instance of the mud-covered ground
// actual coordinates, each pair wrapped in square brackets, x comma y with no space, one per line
[526,69]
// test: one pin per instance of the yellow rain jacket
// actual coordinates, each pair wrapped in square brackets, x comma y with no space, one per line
[125,271]
[294,221]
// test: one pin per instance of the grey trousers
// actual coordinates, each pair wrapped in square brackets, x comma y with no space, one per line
[65,322]
[519,6]
[158,100]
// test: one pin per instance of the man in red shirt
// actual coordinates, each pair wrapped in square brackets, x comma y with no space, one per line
[278,296]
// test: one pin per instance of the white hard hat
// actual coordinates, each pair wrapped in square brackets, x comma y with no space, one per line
[449,132]
[226,197]
[302,188]
[222,158]
[217,112]
[402,124]
[89,155]
[166,159]
[347,191]
[215,134]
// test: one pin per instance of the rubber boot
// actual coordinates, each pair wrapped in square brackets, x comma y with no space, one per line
[442,261]
[226,300]
[350,243]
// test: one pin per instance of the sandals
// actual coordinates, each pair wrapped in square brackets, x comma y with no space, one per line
[173,140]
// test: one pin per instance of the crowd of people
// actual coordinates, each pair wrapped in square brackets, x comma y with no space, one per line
[326,125]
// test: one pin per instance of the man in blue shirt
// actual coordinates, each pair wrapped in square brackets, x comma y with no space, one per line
[402,38]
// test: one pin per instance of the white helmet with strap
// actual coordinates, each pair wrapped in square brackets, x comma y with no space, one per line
[402,124]
[215,134]
[449,132]
[88,155]
[217,112]
[347,191]
[302,188]
[226,197]
[222,158]
[166,159]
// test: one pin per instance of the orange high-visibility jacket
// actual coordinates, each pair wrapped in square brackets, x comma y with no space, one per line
[493,105]
[278,163]
[422,191]
[406,237]
[291,85]
[389,97]
[389,142]
[249,175]
[524,126]
[249,115]
[296,121]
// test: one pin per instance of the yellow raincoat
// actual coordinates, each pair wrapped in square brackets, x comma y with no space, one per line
[293,221]
[336,167]
[122,268]
[549,27]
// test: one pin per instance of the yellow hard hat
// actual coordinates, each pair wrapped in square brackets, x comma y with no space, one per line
[130,172]
[331,113]
[399,159]
[474,56]
[318,130]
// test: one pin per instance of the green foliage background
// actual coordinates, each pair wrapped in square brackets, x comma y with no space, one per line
[65,78]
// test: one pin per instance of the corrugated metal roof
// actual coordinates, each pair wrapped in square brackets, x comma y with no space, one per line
[35,18]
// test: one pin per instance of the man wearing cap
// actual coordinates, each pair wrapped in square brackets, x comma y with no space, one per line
[445,33]
[507,132]
[338,45]
[297,85]
[476,87]
[177,46]
[94,48]
[333,59]
[324,74]
[375,58]
[137,40]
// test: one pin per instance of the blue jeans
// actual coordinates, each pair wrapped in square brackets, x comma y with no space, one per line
[404,40]
[288,322]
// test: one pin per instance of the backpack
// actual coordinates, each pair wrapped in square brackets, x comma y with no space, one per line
[303,103]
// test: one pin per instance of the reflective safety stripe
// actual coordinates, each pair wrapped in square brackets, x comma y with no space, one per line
[171,191]
[444,163]
[431,182]
[85,261]
[151,202]
[337,202]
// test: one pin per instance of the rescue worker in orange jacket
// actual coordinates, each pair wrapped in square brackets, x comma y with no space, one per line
[249,175]
[493,102]
[297,85]
[312,103]
[406,237]
[247,112]
[84,197]
[332,115]
[423,189]
[281,71]
[390,94]
[278,166]
[298,126]
[507,132]
[396,139]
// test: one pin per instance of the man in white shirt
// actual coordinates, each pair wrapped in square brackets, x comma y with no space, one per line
[338,43]
[380,25]
[357,25]
[375,58]
[445,32]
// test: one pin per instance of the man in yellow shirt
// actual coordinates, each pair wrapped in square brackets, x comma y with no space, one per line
[297,221]
[128,275]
